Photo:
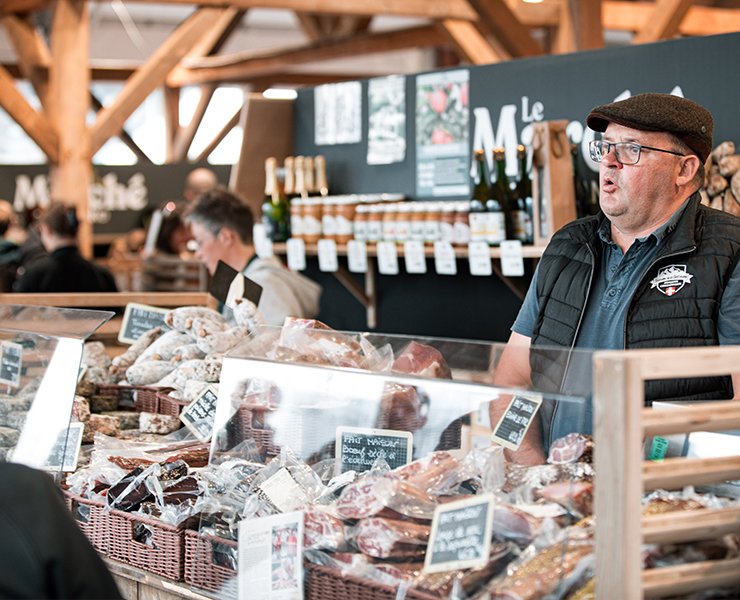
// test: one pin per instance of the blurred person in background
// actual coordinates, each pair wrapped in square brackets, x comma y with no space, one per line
[10,253]
[63,269]
[198,182]
[221,224]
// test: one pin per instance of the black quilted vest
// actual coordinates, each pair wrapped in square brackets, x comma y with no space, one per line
[706,241]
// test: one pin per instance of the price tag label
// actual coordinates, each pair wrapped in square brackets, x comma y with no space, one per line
[199,415]
[296,254]
[11,359]
[444,259]
[479,257]
[387,258]
[514,423]
[357,256]
[413,254]
[512,260]
[358,448]
[138,319]
[328,256]
[461,535]
[66,450]
[262,243]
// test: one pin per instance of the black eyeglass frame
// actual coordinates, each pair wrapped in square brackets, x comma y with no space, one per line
[616,145]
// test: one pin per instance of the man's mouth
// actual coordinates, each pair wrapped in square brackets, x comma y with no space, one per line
[608,185]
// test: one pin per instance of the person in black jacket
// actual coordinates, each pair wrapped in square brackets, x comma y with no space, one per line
[64,269]
[43,553]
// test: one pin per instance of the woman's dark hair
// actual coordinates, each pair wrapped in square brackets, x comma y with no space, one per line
[171,223]
[61,220]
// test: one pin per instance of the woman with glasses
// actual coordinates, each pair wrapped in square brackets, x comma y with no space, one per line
[653,269]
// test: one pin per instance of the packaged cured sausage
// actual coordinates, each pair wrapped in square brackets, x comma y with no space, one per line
[373,496]
[390,538]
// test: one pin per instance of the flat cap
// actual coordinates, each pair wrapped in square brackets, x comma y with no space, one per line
[683,118]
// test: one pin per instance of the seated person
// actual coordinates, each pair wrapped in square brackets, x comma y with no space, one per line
[10,254]
[221,225]
[64,269]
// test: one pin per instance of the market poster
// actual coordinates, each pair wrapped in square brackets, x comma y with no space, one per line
[442,118]
[338,113]
[386,136]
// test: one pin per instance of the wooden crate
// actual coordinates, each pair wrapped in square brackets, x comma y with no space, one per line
[620,426]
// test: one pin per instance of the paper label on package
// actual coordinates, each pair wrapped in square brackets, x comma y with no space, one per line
[296,254]
[512,259]
[328,256]
[444,259]
[283,491]
[262,243]
[413,254]
[479,257]
[387,258]
[357,256]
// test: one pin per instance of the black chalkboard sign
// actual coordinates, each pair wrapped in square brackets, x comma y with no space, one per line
[138,319]
[513,425]
[358,448]
[461,535]
[11,358]
[200,414]
[66,449]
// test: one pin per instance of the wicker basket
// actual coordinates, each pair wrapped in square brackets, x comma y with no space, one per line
[264,440]
[164,551]
[202,568]
[92,517]
[324,583]
[142,398]
[167,405]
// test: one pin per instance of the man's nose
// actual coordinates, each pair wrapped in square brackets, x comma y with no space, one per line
[610,158]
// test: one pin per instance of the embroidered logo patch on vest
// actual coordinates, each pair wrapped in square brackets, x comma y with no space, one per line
[671,279]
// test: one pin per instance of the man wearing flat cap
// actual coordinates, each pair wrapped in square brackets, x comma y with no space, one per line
[653,269]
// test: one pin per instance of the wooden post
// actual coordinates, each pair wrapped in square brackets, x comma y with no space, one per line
[69,102]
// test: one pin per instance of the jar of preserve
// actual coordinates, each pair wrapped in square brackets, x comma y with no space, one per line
[311,220]
[360,222]
[344,216]
[296,218]
[416,221]
[390,216]
[328,218]
[462,223]
[375,223]
[431,222]
[403,222]
[447,222]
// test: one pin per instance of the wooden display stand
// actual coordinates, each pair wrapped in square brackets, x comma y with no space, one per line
[620,425]
[552,180]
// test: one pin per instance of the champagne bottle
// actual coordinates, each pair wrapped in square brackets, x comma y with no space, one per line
[308,176]
[525,205]
[322,187]
[477,215]
[496,202]
[300,177]
[289,185]
[275,208]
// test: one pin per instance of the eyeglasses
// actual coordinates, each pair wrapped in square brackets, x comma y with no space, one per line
[627,153]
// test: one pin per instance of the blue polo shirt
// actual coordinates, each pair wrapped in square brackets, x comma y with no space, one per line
[616,279]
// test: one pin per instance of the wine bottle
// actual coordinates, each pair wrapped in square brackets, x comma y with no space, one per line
[275,208]
[525,205]
[496,202]
[477,215]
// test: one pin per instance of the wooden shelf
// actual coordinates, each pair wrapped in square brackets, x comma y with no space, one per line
[460,251]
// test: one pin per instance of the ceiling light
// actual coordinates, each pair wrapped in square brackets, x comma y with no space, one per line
[280,94]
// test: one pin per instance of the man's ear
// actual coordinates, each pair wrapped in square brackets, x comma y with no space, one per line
[226,236]
[688,169]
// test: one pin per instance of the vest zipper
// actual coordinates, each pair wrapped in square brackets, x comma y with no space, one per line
[575,337]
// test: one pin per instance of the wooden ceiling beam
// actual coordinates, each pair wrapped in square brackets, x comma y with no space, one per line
[186,134]
[619,15]
[123,135]
[32,52]
[351,25]
[498,20]
[152,74]
[219,137]
[470,42]
[587,23]
[9,7]
[241,67]
[171,120]
[38,127]
[665,21]
[310,25]
[430,9]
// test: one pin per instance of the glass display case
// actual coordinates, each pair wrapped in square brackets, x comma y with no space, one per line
[315,423]
[39,368]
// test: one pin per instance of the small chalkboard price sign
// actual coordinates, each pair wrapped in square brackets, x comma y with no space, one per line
[515,422]
[66,449]
[200,414]
[138,319]
[461,535]
[11,359]
[357,449]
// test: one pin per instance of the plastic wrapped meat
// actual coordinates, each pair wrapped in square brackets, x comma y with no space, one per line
[436,473]
[382,496]
[420,359]
[575,496]
[322,530]
[389,538]
[128,493]
[402,407]
[572,448]
[510,523]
